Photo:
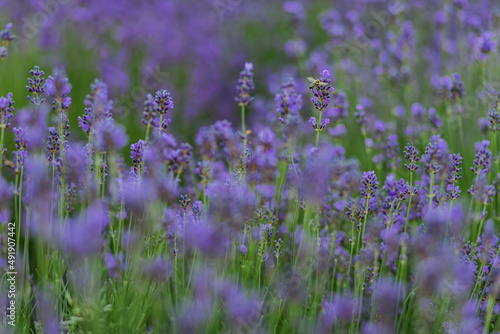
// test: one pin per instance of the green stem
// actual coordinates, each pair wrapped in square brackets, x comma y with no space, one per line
[147,132]
[350,255]
[409,202]
[2,133]
[431,189]
[318,130]
[367,204]
[483,213]
[244,134]
[489,312]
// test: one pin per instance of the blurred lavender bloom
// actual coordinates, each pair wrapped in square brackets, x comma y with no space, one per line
[436,155]
[108,135]
[6,36]
[34,123]
[47,313]
[481,190]
[484,45]
[288,101]
[137,152]
[156,269]
[149,111]
[218,142]
[6,109]
[457,90]
[21,155]
[53,149]
[58,87]
[98,106]
[83,236]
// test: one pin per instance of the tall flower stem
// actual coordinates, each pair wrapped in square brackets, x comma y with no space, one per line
[159,126]
[409,202]
[318,130]
[2,133]
[147,132]
[431,189]
[350,255]
[360,240]
[244,134]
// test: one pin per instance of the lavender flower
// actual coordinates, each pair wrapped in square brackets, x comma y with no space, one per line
[434,120]
[149,112]
[494,120]
[109,135]
[137,152]
[53,146]
[98,102]
[453,192]
[454,169]
[288,101]
[245,86]
[431,157]
[483,45]
[185,201]
[58,87]
[98,106]
[163,102]
[322,125]
[6,109]
[481,191]
[360,115]
[36,86]
[482,161]
[321,91]
[369,185]
[6,36]
[411,155]
[197,210]
[21,155]
[457,89]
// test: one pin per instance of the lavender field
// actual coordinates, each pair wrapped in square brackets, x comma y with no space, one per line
[230,166]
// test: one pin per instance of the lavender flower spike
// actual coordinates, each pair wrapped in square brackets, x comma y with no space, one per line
[369,185]
[36,86]
[321,89]
[411,155]
[6,109]
[245,86]
[163,102]
[482,161]
[6,36]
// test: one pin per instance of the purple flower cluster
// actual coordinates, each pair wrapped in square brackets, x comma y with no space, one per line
[288,102]
[6,109]
[321,91]
[6,36]
[58,88]
[245,86]
[36,86]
